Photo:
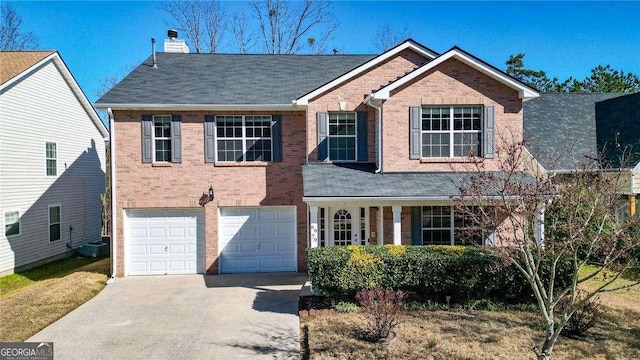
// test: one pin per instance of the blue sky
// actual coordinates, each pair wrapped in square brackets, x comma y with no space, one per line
[97,38]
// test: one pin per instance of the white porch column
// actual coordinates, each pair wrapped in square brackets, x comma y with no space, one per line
[313,230]
[380,225]
[397,225]
[538,231]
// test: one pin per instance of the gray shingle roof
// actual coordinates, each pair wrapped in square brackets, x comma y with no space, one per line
[561,129]
[360,180]
[229,79]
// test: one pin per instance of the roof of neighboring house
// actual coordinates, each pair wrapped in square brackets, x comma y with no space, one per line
[13,63]
[226,79]
[618,130]
[360,180]
[560,129]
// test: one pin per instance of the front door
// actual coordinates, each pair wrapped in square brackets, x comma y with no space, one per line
[348,226]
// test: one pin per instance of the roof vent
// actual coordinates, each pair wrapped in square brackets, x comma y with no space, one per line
[175,45]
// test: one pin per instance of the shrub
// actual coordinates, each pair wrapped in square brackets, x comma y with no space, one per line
[463,273]
[382,308]
[584,318]
[362,271]
[347,307]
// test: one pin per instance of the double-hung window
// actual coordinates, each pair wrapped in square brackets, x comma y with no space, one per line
[54,222]
[162,138]
[244,138]
[51,156]
[11,223]
[342,136]
[442,225]
[451,131]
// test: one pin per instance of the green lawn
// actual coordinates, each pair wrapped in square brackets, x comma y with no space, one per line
[51,270]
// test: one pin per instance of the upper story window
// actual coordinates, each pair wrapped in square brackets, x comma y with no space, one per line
[342,136]
[244,138]
[451,131]
[51,156]
[11,223]
[161,138]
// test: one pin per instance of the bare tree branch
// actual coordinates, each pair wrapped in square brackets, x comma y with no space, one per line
[11,35]
[284,27]
[387,37]
[201,21]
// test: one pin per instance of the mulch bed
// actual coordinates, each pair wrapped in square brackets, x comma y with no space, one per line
[314,305]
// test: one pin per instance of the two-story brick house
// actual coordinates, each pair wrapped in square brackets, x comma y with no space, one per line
[238,163]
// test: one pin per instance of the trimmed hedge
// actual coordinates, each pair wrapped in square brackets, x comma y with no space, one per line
[432,272]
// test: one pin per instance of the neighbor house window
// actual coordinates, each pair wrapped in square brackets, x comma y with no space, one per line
[162,138]
[54,222]
[442,225]
[451,131]
[11,223]
[51,155]
[342,136]
[243,138]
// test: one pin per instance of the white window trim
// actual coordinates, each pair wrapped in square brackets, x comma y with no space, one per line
[452,227]
[154,138]
[244,139]
[47,158]
[50,223]
[451,132]
[4,222]
[354,136]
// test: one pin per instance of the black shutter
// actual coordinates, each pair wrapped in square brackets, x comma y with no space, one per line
[489,132]
[176,138]
[322,129]
[415,144]
[276,138]
[209,139]
[147,138]
[363,150]
[416,225]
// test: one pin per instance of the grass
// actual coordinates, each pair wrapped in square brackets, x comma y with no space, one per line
[32,300]
[51,270]
[466,334]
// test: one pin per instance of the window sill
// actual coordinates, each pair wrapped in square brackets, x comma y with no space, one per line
[161,164]
[242,164]
[451,160]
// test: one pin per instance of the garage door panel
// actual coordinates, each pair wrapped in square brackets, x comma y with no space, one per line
[257,239]
[165,242]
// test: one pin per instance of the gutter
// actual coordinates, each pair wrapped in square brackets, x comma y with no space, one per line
[140,106]
[114,217]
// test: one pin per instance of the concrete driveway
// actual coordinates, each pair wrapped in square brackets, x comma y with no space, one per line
[249,316]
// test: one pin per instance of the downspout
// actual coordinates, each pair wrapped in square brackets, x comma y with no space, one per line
[114,217]
[378,108]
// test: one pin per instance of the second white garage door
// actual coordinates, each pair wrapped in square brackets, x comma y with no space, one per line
[261,239]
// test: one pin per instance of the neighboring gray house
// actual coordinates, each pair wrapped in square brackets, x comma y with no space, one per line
[568,131]
[52,161]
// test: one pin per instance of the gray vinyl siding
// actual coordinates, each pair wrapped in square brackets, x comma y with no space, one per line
[40,108]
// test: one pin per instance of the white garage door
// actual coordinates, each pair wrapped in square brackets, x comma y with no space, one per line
[261,239]
[165,242]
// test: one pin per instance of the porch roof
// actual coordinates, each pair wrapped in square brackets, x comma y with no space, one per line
[332,180]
